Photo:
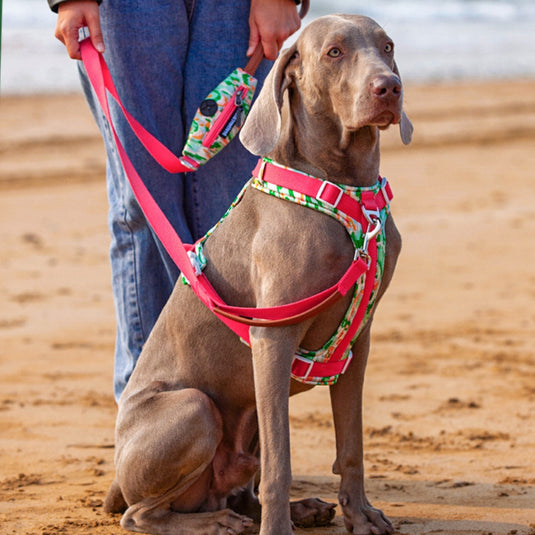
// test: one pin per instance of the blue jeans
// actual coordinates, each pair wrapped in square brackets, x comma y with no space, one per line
[165,56]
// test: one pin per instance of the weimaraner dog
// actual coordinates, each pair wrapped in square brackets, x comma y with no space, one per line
[203,413]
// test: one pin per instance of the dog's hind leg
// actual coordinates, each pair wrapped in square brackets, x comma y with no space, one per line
[164,469]
[145,518]
[115,502]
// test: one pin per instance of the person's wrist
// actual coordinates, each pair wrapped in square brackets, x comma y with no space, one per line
[55,4]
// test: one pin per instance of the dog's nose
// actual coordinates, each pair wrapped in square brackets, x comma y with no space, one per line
[386,87]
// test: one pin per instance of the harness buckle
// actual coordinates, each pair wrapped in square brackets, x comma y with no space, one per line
[306,361]
[195,263]
[338,192]
[262,170]
[384,191]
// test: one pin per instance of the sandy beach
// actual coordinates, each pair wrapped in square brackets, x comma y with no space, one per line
[450,389]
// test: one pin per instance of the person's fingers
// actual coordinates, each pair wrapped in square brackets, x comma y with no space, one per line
[95,31]
[254,39]
[71,17]
[67,33]
[271,23]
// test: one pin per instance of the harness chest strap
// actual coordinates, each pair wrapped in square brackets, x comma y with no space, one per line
[325,365]
[303,368]
[325,191]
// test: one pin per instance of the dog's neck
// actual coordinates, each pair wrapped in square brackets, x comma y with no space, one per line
[318,146]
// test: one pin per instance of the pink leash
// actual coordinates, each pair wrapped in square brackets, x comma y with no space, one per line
[236,318]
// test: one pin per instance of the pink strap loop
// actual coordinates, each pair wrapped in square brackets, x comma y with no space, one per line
[101,80]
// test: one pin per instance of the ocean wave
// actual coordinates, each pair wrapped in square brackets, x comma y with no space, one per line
[435,40]
[422,10]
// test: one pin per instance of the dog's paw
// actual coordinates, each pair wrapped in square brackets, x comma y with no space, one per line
[231,523]
[368,521]
[312,512]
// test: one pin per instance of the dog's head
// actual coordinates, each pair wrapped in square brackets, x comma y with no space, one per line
[342,67]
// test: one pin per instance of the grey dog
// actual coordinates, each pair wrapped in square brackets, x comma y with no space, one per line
[203,413]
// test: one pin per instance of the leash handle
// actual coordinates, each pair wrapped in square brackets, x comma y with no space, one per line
[255,60]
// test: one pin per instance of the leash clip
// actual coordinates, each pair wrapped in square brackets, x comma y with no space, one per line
[374,218]
[374,223]
[372,215]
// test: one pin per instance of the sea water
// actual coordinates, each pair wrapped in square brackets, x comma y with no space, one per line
[436,40]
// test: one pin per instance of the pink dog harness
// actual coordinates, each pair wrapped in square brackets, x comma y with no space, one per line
[363,213]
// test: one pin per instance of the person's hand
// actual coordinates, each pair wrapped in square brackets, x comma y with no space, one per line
[72,16]
[271,22]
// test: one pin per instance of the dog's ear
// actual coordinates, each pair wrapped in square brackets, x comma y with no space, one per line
[262,127]
[405,126]
[405,129]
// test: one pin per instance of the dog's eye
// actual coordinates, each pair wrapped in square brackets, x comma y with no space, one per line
[389,47]
[334,52]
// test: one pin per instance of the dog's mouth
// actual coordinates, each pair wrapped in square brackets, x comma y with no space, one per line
[382,119]
[385,119]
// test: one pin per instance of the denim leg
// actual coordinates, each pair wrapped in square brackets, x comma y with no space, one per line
[146,45]
[165,57]
[219,36]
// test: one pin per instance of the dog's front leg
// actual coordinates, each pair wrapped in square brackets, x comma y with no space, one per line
[346,398]
[272,359]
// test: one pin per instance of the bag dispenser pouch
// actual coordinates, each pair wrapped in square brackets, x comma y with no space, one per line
[219,118]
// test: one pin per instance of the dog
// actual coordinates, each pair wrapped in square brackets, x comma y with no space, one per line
[204,413]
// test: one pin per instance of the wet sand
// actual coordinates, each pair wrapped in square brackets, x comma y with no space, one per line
[450,389]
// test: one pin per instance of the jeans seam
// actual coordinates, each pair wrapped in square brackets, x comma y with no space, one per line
[133,291]
[190,8]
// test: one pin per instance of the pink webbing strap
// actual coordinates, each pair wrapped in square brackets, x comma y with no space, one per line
[334,366]
[101,80]
[298,310]
[325,191]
